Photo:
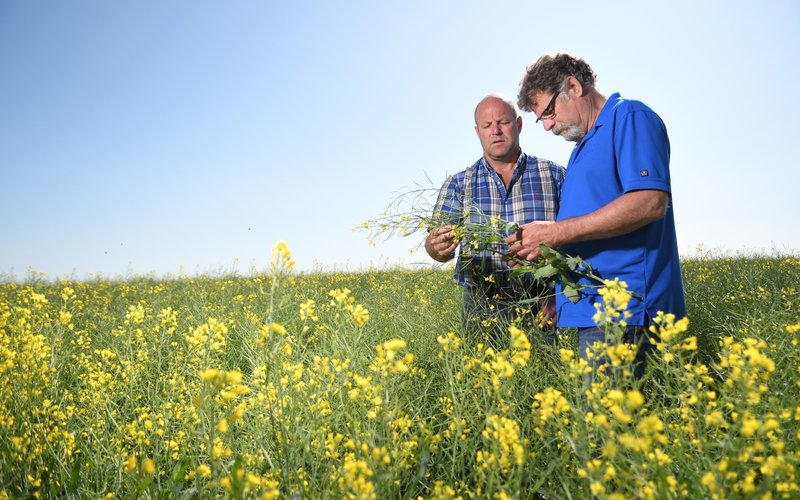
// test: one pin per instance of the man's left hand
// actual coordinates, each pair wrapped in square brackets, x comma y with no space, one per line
[524,243]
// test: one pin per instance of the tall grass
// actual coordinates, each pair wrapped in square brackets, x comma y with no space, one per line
[363,385]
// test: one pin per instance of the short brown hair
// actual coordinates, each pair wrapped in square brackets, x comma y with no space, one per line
[549,74]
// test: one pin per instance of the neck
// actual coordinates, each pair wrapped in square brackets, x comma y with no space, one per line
[506,163]
[504,166]
[594,105]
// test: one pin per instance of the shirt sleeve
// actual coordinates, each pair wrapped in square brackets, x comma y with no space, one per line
[449,208]
[643,151]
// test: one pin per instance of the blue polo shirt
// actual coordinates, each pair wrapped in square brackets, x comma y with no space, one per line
[626,150]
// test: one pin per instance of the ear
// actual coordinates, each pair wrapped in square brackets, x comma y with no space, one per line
[574,87]
[476,132]
[519,124]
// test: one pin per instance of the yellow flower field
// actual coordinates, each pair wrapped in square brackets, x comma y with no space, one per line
[364,385]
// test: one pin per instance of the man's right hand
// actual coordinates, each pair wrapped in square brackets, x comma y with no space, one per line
[441,243]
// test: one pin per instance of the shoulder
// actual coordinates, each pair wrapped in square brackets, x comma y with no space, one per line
[628,117]
[457,179]
[622,108]
[544,165]
[476,169]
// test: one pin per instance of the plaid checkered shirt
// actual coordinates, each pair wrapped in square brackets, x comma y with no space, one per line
[477,195]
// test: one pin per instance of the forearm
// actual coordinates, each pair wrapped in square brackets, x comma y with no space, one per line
[626,214]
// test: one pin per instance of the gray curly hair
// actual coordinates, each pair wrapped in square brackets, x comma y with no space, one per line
[549,75]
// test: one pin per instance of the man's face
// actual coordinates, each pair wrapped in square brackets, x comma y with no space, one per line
[498,129]
[556,115]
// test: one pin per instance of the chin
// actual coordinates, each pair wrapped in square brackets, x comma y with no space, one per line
[571,134]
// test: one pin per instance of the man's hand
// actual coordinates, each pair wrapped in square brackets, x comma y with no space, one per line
[524,243]
[441,244]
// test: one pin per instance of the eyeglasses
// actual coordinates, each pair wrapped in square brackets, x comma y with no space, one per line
[550,111]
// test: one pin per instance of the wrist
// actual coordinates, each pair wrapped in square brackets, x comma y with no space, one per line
[562,232]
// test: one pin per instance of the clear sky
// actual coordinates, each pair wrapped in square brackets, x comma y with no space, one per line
[189,136]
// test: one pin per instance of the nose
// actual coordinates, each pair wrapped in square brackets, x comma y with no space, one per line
[496,130]
[548,123]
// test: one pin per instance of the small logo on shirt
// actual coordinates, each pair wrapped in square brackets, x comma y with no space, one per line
[644,173]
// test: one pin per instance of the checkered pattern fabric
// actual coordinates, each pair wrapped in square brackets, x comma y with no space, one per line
[478,196]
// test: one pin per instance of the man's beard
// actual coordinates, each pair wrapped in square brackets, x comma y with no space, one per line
[570,133]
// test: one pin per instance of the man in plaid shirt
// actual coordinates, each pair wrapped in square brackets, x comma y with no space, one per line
[504,187]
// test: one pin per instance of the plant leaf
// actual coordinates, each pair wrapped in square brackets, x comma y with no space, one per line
[544,272]
[571,293]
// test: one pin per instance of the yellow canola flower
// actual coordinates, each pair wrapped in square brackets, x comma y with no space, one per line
[203,470]
[354,481]
[615,303]
[634,399]
[549,403]
[148,467]
[67,294]
[64,317]
[666,328]
[210,375]
[715,418]
[600,420]
[220,377]
[756,357]
[281,256]
[135,315]
[620,353]
[650,425]
[388,360]
[209,335]
[709,481]
[267,330]
[503,437]
[442,491]
[620,414]
[689,344]
[276,328]
[520,346]
[615,396]
[750,424]
[341,296]
[38,300]
[219,450]
[130,464]
[450,342]
[360,314]
[308,310]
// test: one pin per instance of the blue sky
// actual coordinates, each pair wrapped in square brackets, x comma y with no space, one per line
[190,136]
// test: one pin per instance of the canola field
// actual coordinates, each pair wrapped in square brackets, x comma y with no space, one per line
[364,386]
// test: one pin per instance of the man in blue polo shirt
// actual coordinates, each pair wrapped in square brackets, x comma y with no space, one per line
[616,211]
[504,185]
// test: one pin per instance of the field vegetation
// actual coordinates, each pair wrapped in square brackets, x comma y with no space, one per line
[363,385]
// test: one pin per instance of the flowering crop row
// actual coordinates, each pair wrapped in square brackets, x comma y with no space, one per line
[364,386]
